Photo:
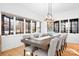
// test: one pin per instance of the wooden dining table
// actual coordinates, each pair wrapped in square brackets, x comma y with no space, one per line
[42,42]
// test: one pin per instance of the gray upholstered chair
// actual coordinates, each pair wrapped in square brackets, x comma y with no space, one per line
[64,44]
[59,44]
[51,51]
[28,51]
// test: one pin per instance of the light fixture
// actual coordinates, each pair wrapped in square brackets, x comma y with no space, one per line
[49,14]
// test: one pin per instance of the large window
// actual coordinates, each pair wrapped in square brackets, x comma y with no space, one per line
[19,25]
[28,26]
[38,26]
[11,23]
[56,26]
[7,25]
[33,26]
[73,25]
[64,26]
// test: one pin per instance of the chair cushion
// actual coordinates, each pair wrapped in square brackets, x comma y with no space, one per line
[29,48]
[40,52]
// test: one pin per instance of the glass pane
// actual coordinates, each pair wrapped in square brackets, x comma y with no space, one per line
[38,27]
[74,26]
[64,26]
[18,23]
[28,24]
[33,26]
[56,26]
[22,26]
[6,25]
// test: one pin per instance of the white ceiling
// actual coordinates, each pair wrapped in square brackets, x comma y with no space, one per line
[41,9]
[62,7]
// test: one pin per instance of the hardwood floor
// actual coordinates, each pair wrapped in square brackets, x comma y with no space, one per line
[19,51]
[71,50]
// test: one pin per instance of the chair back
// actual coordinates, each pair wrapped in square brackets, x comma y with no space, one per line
[64,39]
[0,42]
[60,39]
[52,47]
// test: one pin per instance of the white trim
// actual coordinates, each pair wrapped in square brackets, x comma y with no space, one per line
[14,18]
[24,27]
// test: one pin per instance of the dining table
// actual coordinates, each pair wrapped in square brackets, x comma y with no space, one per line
[41,42]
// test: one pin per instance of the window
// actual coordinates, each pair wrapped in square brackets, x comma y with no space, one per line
[64,26]
[33,26]
[38,26]
[73,25]
[7,25]
[11,26]
[56,26]
[28,26]
[19,25]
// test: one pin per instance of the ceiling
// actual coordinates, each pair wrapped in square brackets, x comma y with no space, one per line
[41,9]
[62,7]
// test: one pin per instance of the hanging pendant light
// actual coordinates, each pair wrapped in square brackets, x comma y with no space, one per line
[49,14]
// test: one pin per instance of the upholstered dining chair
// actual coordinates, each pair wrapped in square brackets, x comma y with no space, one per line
[65,42]
[28,51]
[51,51]
[59,45]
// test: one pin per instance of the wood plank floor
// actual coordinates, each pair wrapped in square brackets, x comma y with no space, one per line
[71,50]
[19,51]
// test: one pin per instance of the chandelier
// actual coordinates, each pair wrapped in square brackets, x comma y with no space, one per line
[49,14]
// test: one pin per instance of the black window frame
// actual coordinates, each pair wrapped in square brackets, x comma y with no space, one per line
[39,26]
[20,19]
[29,26]
[34,25]
[73,20]
[57,27]
[64,21]
[2,25]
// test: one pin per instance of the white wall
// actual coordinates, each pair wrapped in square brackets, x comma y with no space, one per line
[12,41]
[72,38]
[44,27]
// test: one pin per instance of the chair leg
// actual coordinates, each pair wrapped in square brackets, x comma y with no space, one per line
[57,53]
[24,52]
[62,49]
[60,52]
[65,45]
